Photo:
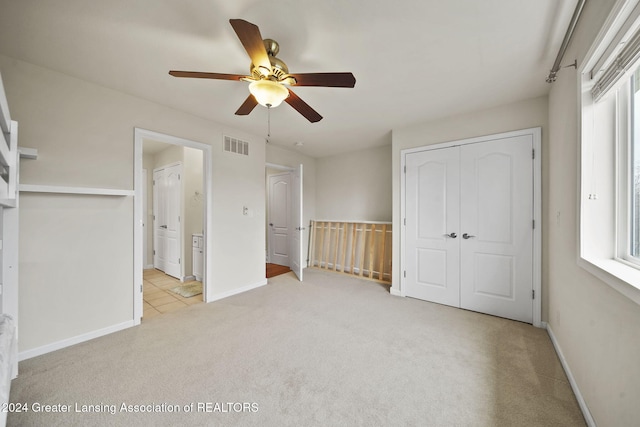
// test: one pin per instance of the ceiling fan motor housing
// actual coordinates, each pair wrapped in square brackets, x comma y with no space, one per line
[279,70]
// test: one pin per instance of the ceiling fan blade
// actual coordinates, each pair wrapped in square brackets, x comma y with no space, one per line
[325,79]
[302,107]
[249,35]
[247,106]
[200,75]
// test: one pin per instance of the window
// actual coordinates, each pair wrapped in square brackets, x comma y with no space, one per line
[634,176]
[609,208]
[627,143]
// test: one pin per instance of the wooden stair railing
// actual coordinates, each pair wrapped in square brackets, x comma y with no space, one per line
[361,249]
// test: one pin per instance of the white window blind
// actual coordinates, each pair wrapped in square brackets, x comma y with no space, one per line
[620,58]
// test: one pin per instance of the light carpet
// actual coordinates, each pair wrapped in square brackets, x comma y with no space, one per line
[333,351]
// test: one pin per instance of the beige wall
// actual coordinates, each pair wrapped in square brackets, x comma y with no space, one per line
[355,186]
[596,327]
[84,136]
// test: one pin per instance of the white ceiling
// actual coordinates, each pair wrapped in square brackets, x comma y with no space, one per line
[414,60]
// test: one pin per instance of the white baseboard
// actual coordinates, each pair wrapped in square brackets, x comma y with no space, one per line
[574,386]
[222,295]
[28,354]
[188,278]
[395,292]
[149,267]
[542,325]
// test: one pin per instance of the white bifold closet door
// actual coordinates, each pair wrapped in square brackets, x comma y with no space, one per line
[469,232]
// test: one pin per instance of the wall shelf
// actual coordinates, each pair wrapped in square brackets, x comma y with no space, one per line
[28,153]
[30,188]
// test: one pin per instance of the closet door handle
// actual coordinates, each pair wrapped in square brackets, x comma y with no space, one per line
[163,226]
[452,235]
[467,236]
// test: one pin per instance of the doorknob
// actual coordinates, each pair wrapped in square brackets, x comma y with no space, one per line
[467,236]
[163,226]
[452,235]
[270,224]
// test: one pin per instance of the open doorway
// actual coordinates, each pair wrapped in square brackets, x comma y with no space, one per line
[284,226]
[173,181]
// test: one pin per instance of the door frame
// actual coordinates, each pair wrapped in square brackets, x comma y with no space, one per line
[292,172]
[145,210]
[282,169]
[139,136]
[536,135]
[269,212]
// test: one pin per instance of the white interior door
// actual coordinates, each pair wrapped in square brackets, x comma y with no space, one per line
[167,202]
[145,215]
[159,215]
[496,226]
[432,212]
[279,218]
[297,247]
[173,232]
[469,226]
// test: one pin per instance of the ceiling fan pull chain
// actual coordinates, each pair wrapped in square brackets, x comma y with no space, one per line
[268,123]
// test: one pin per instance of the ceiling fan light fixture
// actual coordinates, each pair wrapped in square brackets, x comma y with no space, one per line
[268,93]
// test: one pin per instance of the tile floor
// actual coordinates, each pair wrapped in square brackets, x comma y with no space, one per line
[158,299]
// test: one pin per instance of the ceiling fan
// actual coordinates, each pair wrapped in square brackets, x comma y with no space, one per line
[270,76]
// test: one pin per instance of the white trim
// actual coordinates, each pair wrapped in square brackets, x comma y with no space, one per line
[9,273]
[614,272]
[572,381]
[396,292]
[28,354]
[536,134]
[400,289]
[57,189]
[5,115]
[474,140]
[537,232]
[145,216]
[138,229]
[279,167]
[233,292]
[139,136]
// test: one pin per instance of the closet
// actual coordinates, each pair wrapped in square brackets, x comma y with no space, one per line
[469,225]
